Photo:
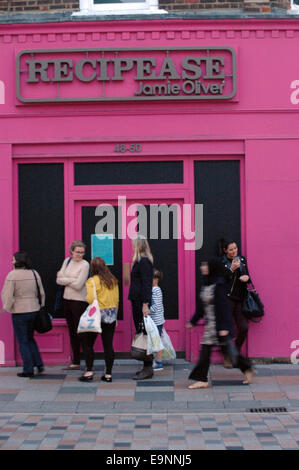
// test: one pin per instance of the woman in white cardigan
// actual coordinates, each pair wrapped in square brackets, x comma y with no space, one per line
[73,275]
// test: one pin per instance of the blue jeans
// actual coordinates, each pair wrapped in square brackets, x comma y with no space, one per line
[160,328]
[23,324]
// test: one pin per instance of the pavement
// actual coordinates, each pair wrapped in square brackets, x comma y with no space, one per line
[54,411]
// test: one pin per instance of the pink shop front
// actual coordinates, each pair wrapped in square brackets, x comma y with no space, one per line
[191,125]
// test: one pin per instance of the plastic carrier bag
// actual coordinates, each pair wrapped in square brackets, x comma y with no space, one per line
[154,343]
[168,351]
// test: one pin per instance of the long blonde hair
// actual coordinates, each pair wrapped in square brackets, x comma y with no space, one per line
[141,249]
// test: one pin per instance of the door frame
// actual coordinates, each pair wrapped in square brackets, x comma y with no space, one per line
[175,326]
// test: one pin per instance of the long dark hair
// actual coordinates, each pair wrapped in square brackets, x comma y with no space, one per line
[99,268]
[22,260]
[223,244]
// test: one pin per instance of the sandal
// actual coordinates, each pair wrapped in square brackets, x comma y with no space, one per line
[198,385]
[106,379]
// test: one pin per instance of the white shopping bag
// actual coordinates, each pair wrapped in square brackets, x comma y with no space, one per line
[90,320]
[168,351]
[154,343]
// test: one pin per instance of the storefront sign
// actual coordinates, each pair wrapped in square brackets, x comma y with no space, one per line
[197,73]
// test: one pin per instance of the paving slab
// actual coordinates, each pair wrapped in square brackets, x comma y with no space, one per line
[55,411]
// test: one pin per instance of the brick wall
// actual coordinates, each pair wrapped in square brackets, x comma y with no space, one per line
[14,6]
[177,5]
[250,6]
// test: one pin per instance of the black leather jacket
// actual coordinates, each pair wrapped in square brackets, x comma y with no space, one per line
[237,289]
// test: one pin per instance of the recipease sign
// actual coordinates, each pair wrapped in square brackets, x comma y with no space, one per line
[85,75]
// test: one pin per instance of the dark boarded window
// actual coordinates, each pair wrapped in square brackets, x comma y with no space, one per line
[41,220]
[217,187]
[89,221]
[165,253]
[128,173]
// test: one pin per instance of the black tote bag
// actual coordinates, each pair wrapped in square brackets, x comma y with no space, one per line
[253,308]
[43,320]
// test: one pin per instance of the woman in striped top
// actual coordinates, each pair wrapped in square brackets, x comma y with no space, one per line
[157,313]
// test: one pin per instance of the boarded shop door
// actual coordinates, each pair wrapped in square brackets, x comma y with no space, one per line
[167,251]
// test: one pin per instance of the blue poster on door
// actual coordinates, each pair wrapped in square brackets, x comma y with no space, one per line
[102,245]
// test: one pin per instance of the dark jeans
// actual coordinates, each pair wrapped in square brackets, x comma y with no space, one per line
[138,322]
[89,339]
[200,371]
[241,323]
[23,324]
[160,329]
[72,310]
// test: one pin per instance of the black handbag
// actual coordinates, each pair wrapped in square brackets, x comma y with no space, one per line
[43,319]
[139,347]
[253,308]
[59,295]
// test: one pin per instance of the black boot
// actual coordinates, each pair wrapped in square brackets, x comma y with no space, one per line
[145,373]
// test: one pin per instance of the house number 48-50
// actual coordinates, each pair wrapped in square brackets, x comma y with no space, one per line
[123,148]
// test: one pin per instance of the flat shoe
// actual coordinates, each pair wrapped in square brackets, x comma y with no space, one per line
[74,367]
[227,364]
[24,374]
[106,379]
[86,378]
[198,385]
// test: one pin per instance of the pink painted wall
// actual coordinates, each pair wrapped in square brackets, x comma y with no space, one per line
[6,249]
[262,123]
[272,220]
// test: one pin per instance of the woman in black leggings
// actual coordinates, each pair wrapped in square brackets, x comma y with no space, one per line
[237,276]
[107,292]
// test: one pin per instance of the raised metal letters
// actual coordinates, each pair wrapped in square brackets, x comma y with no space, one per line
[92,75]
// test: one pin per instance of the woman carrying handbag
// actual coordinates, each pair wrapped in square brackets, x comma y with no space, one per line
[237,276]
[20,298]
[106,286]
[72,278]
[140,294]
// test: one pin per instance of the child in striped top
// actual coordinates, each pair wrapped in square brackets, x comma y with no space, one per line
[157,313]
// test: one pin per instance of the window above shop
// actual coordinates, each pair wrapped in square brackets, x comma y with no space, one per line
[294,7]
[118,7]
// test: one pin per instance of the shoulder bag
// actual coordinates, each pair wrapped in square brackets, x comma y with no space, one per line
[90,320]
[59,294]
[43,320]
[253,308]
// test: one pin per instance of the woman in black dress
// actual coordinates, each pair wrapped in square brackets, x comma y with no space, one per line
[140,294]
